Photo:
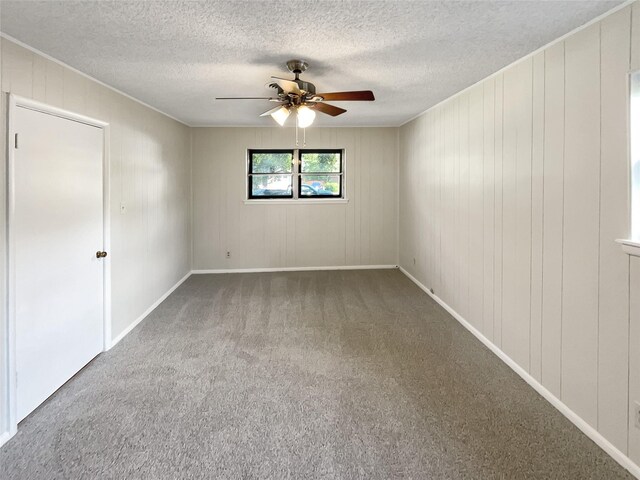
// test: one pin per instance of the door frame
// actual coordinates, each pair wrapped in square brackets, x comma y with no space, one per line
[14,102]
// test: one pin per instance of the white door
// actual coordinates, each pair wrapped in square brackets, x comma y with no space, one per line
[57,231]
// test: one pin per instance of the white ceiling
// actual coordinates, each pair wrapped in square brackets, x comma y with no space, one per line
[178,55]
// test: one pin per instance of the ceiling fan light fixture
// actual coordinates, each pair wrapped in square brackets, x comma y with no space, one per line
[281,115]
[306,116]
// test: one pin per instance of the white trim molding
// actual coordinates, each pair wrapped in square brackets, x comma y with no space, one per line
[587,429]
[629,247]
[5,437]
[146,313]
[292,269]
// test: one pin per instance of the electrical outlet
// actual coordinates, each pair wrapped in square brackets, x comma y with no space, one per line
[636,406]
[228,254]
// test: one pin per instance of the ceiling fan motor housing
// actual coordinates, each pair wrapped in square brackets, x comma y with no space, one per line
[308,87]
[297,67]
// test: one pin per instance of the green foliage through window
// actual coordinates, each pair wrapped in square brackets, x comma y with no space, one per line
[320,162]
[271,162]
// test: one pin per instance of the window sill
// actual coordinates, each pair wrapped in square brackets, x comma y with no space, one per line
[630,247]
[323,201]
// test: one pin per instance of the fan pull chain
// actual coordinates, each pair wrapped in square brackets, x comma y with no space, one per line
[304,136]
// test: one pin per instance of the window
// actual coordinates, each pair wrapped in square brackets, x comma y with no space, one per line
[270,174]
[295,174]
[320,173]
[635,156]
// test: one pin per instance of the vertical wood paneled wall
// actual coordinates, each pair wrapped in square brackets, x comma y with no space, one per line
[511,196]
[150,174]
[360,232]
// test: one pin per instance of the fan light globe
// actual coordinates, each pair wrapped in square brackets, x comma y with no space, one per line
[281,115]
[306,116]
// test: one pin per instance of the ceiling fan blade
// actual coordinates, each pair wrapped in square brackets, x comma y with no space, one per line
[270,111]
[360,95]
[249,98]
[287,85]
[329,109]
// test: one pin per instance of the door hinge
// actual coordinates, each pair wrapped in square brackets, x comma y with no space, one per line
[16,141]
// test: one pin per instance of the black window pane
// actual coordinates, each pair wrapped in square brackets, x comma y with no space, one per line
[320,186]
[320,162]
[271,186]
[271,162]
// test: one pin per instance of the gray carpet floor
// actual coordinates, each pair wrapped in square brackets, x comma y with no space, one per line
[301,375]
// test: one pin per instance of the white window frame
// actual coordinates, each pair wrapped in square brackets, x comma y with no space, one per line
[631,245]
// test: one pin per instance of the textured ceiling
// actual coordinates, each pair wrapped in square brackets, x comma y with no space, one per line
[178,56]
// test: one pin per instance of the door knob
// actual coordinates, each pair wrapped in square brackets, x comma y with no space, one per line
[101,254]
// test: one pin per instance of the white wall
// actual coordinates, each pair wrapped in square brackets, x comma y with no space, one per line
[511,196]
[150,173]
[361,232]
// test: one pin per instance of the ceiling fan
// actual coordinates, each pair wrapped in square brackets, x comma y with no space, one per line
[300,96]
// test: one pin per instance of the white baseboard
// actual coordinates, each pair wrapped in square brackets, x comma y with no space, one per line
[293,269]
[147,312]
[4,438]
[587,429]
